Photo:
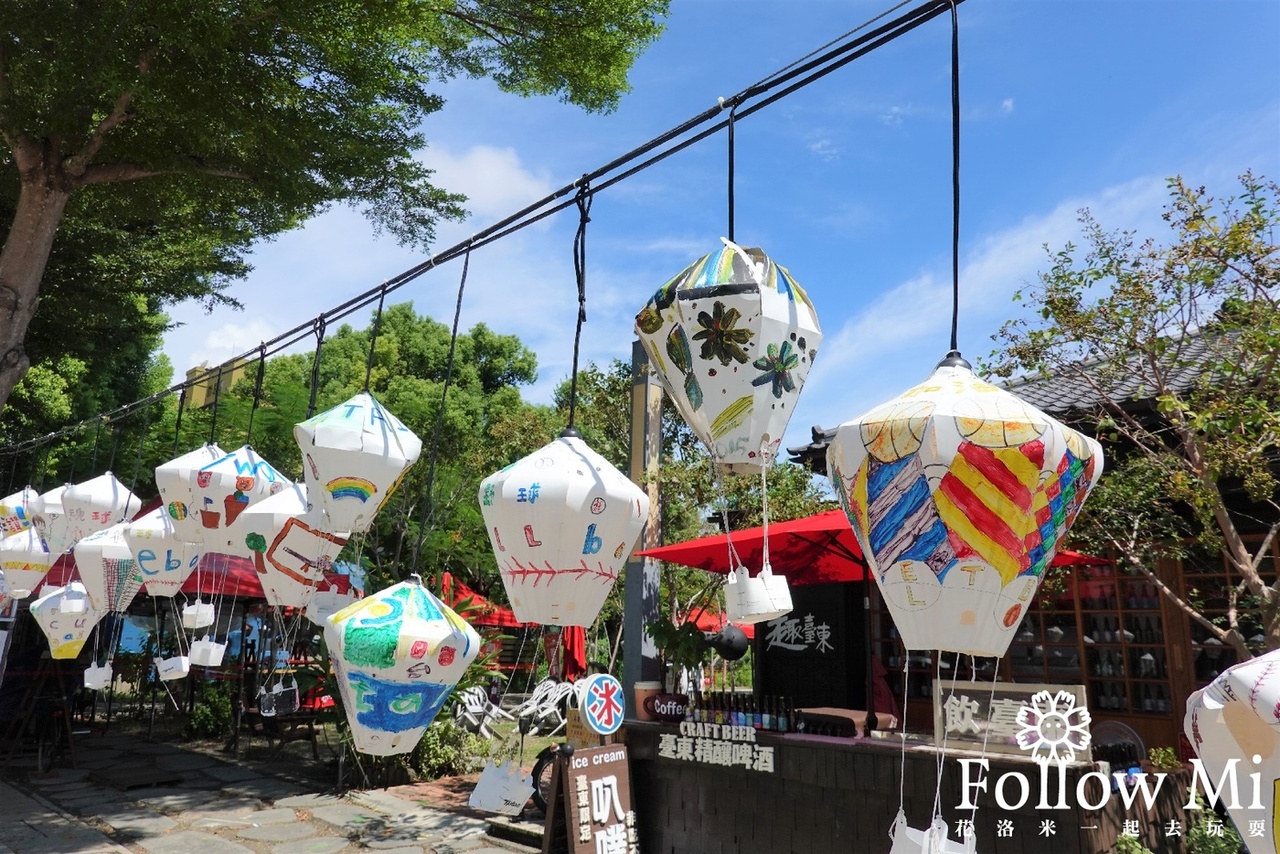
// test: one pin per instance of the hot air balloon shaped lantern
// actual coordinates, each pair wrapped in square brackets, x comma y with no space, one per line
[227,487]
[1233,720]
[96,505]
[176,481]
[960,494]
[291,550]
[561,522]
[25,562]
[50,522]
[108,571]
[397,654]
[732,337]
[164,560]
[15,512]
[66,617]
[353,457]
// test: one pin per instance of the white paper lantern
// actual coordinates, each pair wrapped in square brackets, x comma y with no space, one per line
[290,551]
[960,494]
[1234,719]
[562,522]
[224,489]
[15,512]
[25,562]
[66,617]
[97,504]
[758,599]
[397,655]
[110,575]
[165,561]
[732,337]
[354,455]
[48,519]
[175,481]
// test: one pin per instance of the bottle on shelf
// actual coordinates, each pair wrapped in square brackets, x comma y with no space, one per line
[766,714]
[786,715]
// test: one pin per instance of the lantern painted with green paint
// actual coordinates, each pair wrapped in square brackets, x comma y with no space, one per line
[398,655]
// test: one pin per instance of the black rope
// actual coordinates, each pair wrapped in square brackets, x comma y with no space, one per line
[257,392]
[373,338]
[44,465]
[13,472]
[97,433]
[583,202]
[137,463]
[435,430]
[315,368]
[115,446]
[177,429]
[213,421]
[955,179]
[732,116]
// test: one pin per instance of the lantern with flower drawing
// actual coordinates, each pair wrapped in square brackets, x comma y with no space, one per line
[353,456]
[15,513]
[291,551]
[164,561]
[225,488]
[67,618]
[732,337]
[960,494]
[176,481]
[397,655]
[24,561]
[562,522]
[108,571]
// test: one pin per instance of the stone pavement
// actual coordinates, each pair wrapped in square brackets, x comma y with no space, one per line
[216,808]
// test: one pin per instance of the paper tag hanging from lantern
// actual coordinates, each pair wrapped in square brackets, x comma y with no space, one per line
[164,560]
[25,562]
[732,337]
[353,456]
[932,840]
[98,677]
[561,522]
[397,655]
[174,667]
[110,575]
[197,614]
[207,652]
[175,481]
[290,551]
[503,788]
[15,513]
[96,505]
[227,487]
[960,494]
[756,600]
[66,617]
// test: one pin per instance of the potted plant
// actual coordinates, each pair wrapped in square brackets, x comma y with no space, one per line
[683,648]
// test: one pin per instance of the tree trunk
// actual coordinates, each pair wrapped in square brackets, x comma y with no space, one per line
[41,202]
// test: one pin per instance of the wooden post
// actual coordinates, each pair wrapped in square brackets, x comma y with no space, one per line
[640,654]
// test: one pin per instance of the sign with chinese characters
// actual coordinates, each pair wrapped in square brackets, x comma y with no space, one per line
[799,634]
[716,744]
[596,786]
[969,714]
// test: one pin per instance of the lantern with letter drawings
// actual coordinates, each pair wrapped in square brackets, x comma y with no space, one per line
[397,655]
[1233,721]
[67,617]
[226,488]
[108,571]
[562,522]
[732,337]
[353,456]
[290,550]
[96,504]
[15,514]
[25,562]
[176,481]
[164,561]
[960,494]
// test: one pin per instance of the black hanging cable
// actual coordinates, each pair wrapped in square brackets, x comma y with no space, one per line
[315,368]
[733,111]
[97,434]
[435,430]
[257,392]
[115,446]
[13,472]
[955,180]
[583,202]
[137,463]
[213,420]
[177,429]
[44,466]
[373,338]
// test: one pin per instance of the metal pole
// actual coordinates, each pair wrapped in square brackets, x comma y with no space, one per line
[640,655]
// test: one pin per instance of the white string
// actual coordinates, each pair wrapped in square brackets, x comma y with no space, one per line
[902,775]
[765,459]
[995,674]
[942,752]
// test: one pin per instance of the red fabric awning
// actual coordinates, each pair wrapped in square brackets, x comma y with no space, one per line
[486,613]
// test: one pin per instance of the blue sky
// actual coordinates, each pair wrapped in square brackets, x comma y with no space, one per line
[1066,104]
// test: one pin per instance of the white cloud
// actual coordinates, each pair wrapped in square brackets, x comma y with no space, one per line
[226,340]
[894,116]
[824,149]
[494,180]
[1006,106]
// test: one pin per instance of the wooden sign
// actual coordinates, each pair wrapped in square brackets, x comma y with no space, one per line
[971,715]
[589,809]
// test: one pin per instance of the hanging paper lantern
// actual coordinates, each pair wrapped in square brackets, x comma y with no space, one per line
[48,519]
[397,655]
[175,481]
[66,617]
[290,551]
[751,600]
[227,487]
[960,494]
[354,455]
[15,513]
[110,575]
[562,522]
[97,504]
[732,337]
[25,562]
[339,589]
[164,560]
[1233,718]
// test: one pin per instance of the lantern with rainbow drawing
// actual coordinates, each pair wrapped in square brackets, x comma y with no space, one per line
[224,489]
[164,560]
[176,481]
[67,618]
[24,561]
[291,551]
[960,494]
[732,338]
[561,522]
[353,456]
[397,654]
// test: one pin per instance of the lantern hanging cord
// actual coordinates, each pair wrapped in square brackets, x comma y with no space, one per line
[955,179]
[435,430]
[733,114]
[213,420]
[137,463]
[13,471]
[97,434]
[315,368]
[257,392]
[765,457]
[115,446]
[583,201]
[991,699]
[373,338]
[177,428]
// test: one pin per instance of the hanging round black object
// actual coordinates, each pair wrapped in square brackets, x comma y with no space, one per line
[730,643]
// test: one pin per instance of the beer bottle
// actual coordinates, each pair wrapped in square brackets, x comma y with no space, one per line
[717,708]
[766,717]
[751,720]
[785,716]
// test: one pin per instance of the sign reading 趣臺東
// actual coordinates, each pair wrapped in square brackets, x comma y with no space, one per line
[717,744]
[1011,718]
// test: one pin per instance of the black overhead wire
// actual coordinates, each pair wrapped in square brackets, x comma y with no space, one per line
[373,339]
[257,393]
[814,66]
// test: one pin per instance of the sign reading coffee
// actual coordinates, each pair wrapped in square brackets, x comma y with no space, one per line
[666,707]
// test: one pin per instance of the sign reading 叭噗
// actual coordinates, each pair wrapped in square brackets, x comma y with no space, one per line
[595,785]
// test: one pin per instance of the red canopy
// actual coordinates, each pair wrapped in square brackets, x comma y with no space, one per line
[485,613]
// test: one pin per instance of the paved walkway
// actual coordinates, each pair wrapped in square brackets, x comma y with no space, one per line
[214,808]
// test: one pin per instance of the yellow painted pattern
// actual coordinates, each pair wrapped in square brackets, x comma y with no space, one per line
[990,551]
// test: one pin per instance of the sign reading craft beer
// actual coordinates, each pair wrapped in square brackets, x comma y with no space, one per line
[597,816]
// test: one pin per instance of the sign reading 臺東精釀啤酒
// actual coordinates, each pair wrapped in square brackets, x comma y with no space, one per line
[716,744]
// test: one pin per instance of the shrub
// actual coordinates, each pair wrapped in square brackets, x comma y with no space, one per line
[211,715]
[1129,845]
[447,750]
[1164,758]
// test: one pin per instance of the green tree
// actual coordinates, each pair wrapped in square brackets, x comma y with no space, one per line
[1193,328]
[245,118]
